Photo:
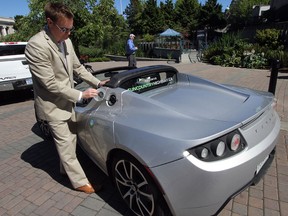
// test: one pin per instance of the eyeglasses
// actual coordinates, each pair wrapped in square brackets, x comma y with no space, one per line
[63,29]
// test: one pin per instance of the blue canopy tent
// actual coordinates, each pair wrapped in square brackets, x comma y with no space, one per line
[169,45]
[170,33]
[170,39]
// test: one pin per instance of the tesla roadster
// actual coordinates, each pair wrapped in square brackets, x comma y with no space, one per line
[177,144]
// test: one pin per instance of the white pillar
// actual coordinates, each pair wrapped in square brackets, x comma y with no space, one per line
[3,31]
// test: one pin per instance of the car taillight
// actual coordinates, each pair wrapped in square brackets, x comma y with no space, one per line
[235,142]
[204,153]
[222,147]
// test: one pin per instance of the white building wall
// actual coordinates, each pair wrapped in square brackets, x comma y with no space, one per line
[6,26]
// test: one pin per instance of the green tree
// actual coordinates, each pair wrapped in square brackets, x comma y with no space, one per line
[109,26]
[151,18]
[168,13]
[133,15]
[240,13]
[97,23]
[186,14]
[211,16]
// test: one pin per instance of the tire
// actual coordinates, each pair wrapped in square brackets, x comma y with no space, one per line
[137,188]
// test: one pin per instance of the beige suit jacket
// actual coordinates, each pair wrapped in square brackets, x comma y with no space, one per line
[52,76]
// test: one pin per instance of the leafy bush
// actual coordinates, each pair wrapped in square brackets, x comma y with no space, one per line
[102,59]
[148,38]
[231,50]
[254,60]
[117,49]
[269,38]
[91,52]
[280,55]
[227,51]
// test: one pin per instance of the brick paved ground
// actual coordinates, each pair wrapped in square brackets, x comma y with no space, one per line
[30,183]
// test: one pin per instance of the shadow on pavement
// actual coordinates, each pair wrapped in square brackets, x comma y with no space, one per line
[10,97]
[44,156]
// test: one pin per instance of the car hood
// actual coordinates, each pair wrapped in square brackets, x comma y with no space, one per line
[212,103]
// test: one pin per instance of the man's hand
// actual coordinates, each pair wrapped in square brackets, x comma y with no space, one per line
[89,93]
[103,82]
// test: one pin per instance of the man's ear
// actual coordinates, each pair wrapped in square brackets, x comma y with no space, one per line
[49,21]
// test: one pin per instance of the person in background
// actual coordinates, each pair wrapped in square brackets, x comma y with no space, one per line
[130,51]
[52,62]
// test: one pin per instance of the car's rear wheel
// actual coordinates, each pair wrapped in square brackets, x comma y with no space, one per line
[137,188]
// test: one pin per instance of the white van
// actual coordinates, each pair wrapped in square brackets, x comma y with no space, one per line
[14,70]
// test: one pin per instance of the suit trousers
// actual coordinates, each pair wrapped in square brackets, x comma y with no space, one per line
[132,60]
[64,135]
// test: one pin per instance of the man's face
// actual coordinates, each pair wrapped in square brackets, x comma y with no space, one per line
[60,29]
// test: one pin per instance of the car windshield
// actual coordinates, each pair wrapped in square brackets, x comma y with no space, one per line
[148,82]
[137,80]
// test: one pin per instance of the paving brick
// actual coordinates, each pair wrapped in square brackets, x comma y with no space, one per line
[270,180]
[69,207]
[256,193]
[17,208]
[283,208]
[271,204]
[255,202]
[270,212]
[83,211]
[13,202]
[29,209]
[93,204]
[255,211]
[105,212]
[242,198]
[51,211]
[45,207]
[270,192]
[239,208]
[225,212]
[64,201]
[35,195]
[283,192]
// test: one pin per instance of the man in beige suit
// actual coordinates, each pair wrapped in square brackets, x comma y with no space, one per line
[52,61]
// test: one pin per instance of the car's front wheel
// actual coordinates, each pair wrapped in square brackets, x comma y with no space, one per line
[137,188]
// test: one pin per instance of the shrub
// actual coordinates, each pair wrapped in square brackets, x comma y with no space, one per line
[227,51]
[231,50]
[91,52]
[117,49]
[102,59]
[148,38]
[254,60]
[269,38]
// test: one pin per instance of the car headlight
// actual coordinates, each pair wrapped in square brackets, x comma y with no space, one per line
[222,147]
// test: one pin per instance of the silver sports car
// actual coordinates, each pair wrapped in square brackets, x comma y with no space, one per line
[176,144]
